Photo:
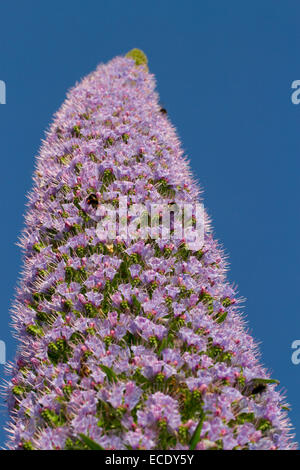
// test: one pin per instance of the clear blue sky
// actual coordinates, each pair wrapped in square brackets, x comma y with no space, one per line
[224,72]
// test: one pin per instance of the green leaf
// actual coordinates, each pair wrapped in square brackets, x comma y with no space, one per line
[163,345]
[196,436]
[259,381]
[111,375]
[136,304]
[92,445]
[268,381]
[245,418]
[222,317]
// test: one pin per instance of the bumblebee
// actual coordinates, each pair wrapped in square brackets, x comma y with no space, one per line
[163,111]
[254,387]
[259,389]
[84,370]
[92,200]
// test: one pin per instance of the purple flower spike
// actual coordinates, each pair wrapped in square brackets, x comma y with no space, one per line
[128,339]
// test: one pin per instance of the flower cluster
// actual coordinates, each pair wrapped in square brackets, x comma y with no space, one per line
[128,344]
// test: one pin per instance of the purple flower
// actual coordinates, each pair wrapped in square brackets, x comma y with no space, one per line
[137,440]
[132,395]
[160,407]
[51,439]
[130,342]
[95,298]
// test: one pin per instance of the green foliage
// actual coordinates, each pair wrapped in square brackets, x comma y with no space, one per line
[35,330]
[58,351]
[92,445]
[18,390]
[53,419]
[90,310]
[138,56]
[111,375]
[27,445]
[165,189]
[125,138]
[196,436]
[221,318]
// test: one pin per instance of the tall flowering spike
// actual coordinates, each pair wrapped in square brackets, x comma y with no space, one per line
[128,343]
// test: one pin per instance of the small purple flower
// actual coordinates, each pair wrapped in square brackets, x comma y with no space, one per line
[137,440]
[160,407]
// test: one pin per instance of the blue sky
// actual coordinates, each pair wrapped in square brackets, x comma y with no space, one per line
[224,72]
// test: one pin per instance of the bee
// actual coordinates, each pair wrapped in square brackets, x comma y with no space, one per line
[163,111]
[92,200]
[259,389]
[84,370]
[110,248]
[254,387]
